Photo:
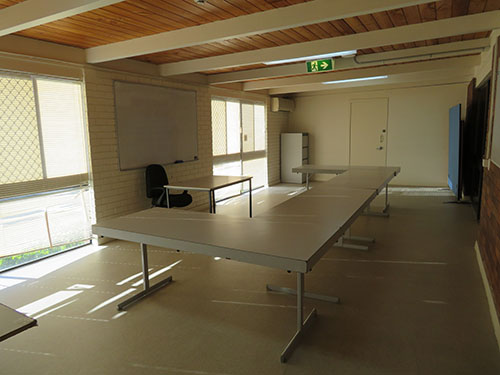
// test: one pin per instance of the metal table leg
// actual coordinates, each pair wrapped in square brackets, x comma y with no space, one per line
[210,201]
[384,212]
[145,279]
[347,236]
[302,325]
[340,243]
[213,201]
[386,208]
[167,198]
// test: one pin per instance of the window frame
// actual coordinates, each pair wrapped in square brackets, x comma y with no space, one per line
[48,184]
[248,155]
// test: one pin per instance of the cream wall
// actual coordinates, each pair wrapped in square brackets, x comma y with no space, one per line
[120,192]
[417,129]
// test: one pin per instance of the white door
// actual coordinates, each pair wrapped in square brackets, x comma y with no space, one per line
[369,132]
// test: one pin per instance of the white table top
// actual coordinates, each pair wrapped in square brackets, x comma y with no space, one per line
[317,168]
[291,236]
[360,177]
[365,178]
[13,322]
[318,205]
[277,239]
[208,183]
[338,169]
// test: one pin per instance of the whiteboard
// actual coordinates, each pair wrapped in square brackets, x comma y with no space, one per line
[155,124]
[495,143]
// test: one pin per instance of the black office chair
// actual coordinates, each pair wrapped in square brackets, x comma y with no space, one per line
[156,178]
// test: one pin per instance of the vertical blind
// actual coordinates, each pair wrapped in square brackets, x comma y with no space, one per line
[42,135]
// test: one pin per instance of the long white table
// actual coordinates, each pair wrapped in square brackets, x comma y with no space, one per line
[309,169]
[13,322]
[211,183]
[292,236]
[361,177]
[355,176]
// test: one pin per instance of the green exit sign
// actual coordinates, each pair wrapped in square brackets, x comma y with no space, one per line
[319,65]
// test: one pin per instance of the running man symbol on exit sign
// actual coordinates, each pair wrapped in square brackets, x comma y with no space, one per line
[319,65]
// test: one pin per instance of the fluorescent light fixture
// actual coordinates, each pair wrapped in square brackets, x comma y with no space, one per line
[314,57]
[354,80]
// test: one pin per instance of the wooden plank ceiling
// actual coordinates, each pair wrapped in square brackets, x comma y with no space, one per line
[136,18]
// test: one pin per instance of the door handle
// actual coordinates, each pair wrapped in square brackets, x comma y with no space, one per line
[380,148]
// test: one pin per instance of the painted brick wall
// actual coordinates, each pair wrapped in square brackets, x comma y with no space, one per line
[121,192]
[277,123]
[489,230]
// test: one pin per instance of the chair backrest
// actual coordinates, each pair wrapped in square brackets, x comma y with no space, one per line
[155,177]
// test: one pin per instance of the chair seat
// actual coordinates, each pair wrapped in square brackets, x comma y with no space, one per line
[177,200]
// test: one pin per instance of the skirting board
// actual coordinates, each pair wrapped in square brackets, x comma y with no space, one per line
[489,296]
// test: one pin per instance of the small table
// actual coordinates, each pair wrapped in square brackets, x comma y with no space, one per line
[210,184]
[13,322]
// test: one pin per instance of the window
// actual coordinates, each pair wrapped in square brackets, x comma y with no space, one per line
[61,121]
[41,131]
[239,142]
[45,199]
[19,139]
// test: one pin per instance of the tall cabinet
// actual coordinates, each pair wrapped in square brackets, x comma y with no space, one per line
[294,153]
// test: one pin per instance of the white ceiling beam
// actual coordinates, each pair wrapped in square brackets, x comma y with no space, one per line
[31,13]
[422,66]
[419,79]
[258,23]
[403,34]
[435,51]
[466,46]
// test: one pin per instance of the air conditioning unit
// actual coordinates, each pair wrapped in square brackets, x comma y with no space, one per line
[281,104]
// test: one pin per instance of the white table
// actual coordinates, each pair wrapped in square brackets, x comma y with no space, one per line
[292,236]
[360,177]
[309,169]
[210,184]
[13,322]
[365,177]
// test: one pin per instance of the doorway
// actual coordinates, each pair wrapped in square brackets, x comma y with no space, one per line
[368,132]
[475,142]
